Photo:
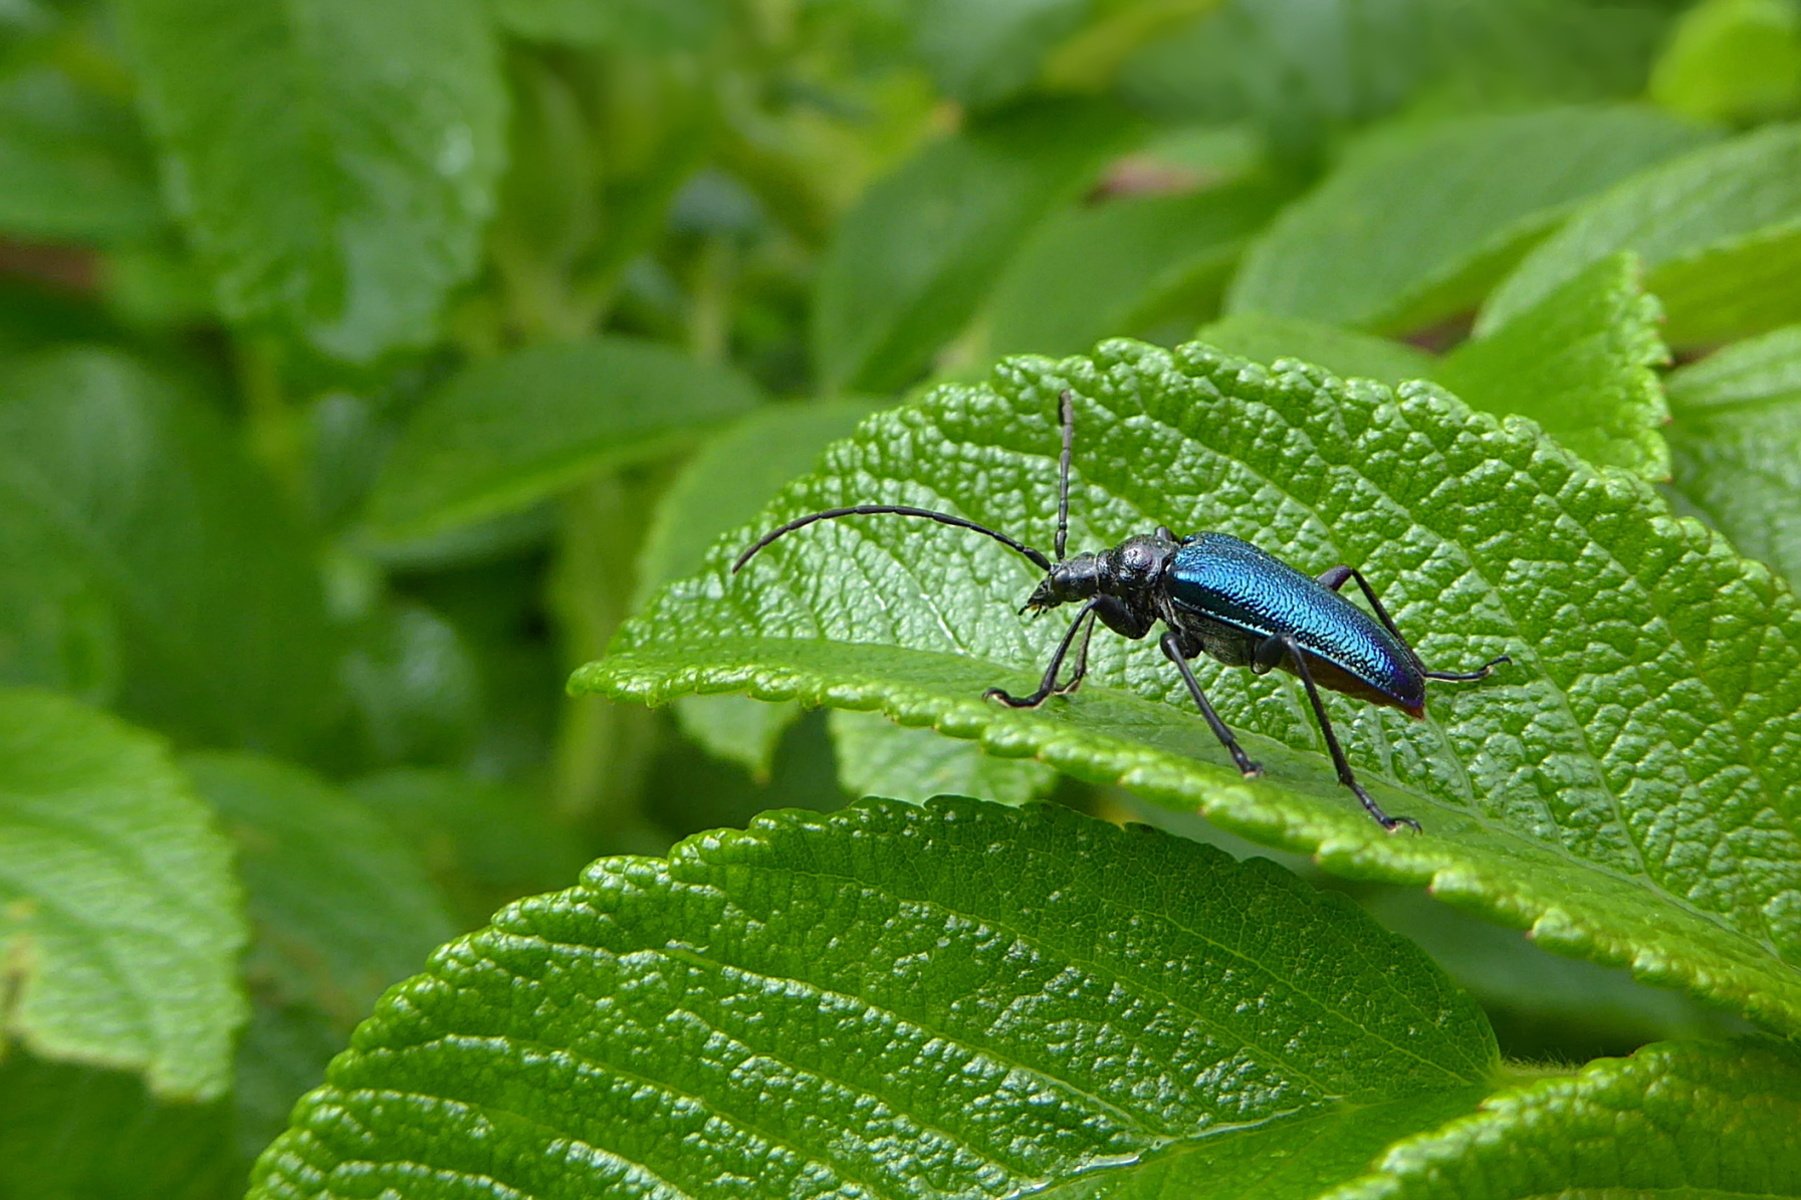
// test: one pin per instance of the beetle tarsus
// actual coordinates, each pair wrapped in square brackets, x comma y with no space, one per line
[1481,672]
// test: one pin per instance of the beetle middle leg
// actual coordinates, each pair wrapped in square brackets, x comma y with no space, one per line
[1334,578]
[1178,650]
[1271,651]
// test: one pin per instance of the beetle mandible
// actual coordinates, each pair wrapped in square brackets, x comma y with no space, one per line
[1214,594]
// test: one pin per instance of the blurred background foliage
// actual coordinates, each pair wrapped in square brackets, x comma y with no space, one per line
[362,366]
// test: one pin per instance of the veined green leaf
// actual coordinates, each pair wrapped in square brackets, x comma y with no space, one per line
[1579,363]
[148,564]
[917,254]
[1736,438]
[1416,225]
[1628,789]
[1718,232]
[1678,1118]
[120,922]
[522,427]
[1263,338]
[960,999]
[334,161]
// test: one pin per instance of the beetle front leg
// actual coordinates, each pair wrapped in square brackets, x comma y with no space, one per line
[1277,647]
[1173,649]
[1047,687]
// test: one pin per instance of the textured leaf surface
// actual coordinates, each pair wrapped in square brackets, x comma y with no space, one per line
[1580,364]
[1103,271]
[1628,790]
[1675,1119]
[147,563]
[120,922]
[1414,227]
[1718,232]
[1736,438]
[889,1000]
[522,427]
[915,257]
[334,161]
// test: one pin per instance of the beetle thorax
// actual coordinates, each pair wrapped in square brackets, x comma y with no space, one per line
[1131,570]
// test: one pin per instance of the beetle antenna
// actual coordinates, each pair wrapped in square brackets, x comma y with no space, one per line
[899,510]
[1067,412]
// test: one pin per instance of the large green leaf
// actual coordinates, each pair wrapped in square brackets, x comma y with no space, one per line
[334,161]
[1736,438]
[524,426]
[148,564]
[1675,1119]
[915,257]
[1627,789]
[956,1000]
[1416,225]
[120,922]
[1718,232]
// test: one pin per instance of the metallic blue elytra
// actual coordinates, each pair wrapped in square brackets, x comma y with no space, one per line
[1235,596]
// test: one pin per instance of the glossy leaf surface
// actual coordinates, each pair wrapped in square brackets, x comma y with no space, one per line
[1628,790]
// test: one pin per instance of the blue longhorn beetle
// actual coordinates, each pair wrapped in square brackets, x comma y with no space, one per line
[1214,594]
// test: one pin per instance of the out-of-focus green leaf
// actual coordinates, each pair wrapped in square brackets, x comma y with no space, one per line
[1629,788]
[334,163]
[1732,60]
[1680,1118]
[120,922]
[1261,337]
[524,426]
[1580,364]
[413,688]
[1416,225]
[340,907]
[916,256]
[981,54]
[1718,232]
[622,24]
[962,999]
[1114,268]
[72,168]
[148,563]
[1736,440]
[876,757]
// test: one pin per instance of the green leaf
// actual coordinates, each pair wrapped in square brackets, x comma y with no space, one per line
[1113,269]
[1263,338]
[522,427]
[334,161]
[1580,364]
[879,758]
[120,922]
[961,999]
[982,54]
[1415,226]
[71,167]
[1718,232]
[1732,60]
[414,687]
[1736,441]
[623,24]
[149,563]
[917,255]
[1680,1118]
[1628,789]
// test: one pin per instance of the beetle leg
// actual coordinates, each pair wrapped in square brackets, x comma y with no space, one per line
[1335,579]
[1047,686]
[1173,649]
[1295,655]
[1076,676]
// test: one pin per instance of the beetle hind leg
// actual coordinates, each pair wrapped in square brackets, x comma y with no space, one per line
[1481,672]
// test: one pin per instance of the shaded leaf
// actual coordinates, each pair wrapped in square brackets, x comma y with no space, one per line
[1580,364]
[334,162]
[876,757]
[1263,338]
[913,260]
[120,922]
[149,563]
[516,429]
[1736,440]
[1416,225]
[961,999]
[1628,789]
[1718,232]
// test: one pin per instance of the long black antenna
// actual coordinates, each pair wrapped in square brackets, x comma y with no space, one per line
[899,510]
[1067,411]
